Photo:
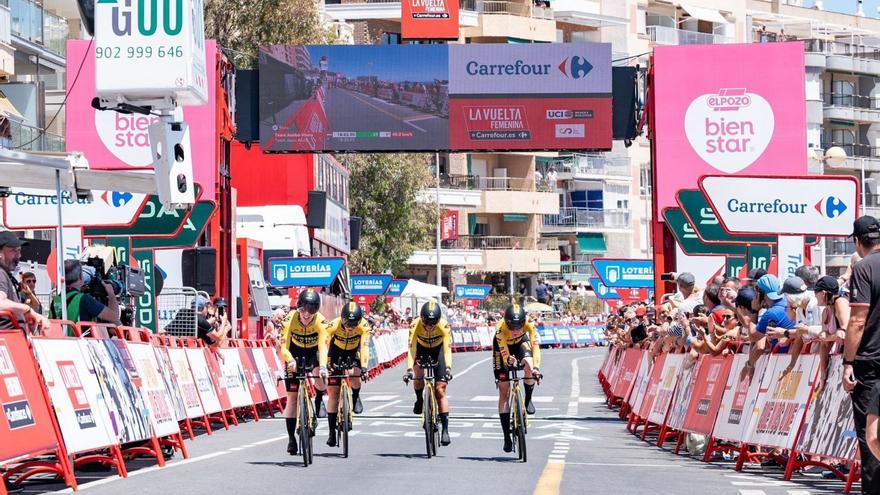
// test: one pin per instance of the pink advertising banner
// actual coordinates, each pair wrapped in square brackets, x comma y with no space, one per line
[113,141]
[729,109]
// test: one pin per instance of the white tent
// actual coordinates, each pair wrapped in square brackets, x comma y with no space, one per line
[421,290]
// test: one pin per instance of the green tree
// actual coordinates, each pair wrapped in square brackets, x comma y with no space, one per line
[243,25]
[384,192]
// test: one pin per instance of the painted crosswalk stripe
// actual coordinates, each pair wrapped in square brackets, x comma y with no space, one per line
[380,398]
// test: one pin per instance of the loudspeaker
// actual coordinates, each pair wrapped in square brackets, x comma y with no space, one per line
[198,268]
[624,96]
[354,227]
[317,205]
[247,105]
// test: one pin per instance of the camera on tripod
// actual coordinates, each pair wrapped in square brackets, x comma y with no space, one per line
[125,281]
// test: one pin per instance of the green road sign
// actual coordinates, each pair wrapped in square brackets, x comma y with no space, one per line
[699,213]
[122,247]
[759,256]
[734,265]
[145,305]
[686,237]
[154,221]
[188,235]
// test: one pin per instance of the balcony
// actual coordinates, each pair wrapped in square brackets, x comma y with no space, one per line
[573,271]
[843,57]
[510,19]
[364,10]
[662,35]
[28,138]
[7,52]
[32,24]
[856,108]
[574,220]
[593,166]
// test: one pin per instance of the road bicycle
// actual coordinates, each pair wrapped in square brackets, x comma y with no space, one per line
[346,403]
[305,416]
[519,419]
[430,412]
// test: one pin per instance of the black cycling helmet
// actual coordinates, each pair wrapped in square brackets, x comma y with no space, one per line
[352,314]
[431,313]
[310,298]
[515,316]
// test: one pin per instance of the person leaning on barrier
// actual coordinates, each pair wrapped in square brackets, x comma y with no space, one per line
[211,328]
[82,306]
[10,255]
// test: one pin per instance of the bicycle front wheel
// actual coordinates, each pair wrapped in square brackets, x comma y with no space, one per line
[305,433]
[520,428]
[346,419]
[428,422]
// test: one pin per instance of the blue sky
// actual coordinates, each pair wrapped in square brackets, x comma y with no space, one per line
[390,62]
[848,6]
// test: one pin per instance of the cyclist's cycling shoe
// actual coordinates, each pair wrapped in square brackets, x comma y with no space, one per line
[508,444]
[530,408]
[417,408]
[444,438]
[358,406]
[292,448]
[320,409]
[331,441]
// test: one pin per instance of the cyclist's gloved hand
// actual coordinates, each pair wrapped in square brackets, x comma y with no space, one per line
[409,375]
[448,374]
[322,372]
[511,360]
[291,366]
[537,374]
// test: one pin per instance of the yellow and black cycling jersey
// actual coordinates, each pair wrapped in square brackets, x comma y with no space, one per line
[357,339]
[422,338]
[308,337]
[505,338]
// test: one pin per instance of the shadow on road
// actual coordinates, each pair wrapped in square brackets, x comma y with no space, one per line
[490,459]
[403,456]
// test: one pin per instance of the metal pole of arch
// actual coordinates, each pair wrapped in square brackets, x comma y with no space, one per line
[439,218]
[59,249]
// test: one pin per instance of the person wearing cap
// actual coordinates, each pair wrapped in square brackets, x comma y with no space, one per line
[803,309]
[211,327]
[82,306]
[861,351]
[767,296]
[10,255]
[754,275]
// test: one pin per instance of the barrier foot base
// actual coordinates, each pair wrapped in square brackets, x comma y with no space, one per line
[854,475]
[796,465]
[151,449]
[680,441]
[175,441]
[114,459]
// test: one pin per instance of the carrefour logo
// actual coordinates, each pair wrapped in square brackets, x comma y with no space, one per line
[831,207]
[575,67]
[518,68]
[116,199]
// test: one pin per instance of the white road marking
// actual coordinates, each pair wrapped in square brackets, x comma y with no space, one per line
[380,398]
[538,399]
[752,492]
[592,400]
[469,368]
[383,406]
[623,464]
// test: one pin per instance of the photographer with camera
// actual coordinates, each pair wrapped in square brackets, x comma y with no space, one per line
[82,306]
[10,255]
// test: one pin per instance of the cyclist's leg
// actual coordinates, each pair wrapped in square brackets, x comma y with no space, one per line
[355,377]
[290,414]
[332,398]
[320,386]
[440,394]
[524,354]
[418,386]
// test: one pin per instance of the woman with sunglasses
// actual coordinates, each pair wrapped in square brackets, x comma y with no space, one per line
[349,342]
[304,338]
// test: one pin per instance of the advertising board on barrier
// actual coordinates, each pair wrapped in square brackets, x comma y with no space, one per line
[183,375]
[632,273]
[435,97]
[744,112]
[304,272]
[706,395]
[640,388]
[682,396]
[232,374]
[739,400]
[370,285]
[429,19]
[478,292]
[209,394]
[782,400]
[160,406]
[829,428]
[627,374]
[665,388]
[26,425]
[124,400]
[166,371]
[76,395]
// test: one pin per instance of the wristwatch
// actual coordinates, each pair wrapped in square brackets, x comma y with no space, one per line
[786,333]
[848,363]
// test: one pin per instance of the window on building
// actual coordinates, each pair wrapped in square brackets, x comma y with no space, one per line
[645,179]
[391,38]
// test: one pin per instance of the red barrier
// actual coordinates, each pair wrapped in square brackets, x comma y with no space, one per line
[29,428]
[628,368]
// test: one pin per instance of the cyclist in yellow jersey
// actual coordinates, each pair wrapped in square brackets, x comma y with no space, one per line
[430,336]
[516,341]
[349,340]
[304,337]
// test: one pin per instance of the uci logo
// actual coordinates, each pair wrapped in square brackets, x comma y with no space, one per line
[831,207]
[116,199]
[576,67]
[147,13]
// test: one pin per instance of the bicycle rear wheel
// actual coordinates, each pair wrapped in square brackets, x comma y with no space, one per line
[346,419]
[428,421]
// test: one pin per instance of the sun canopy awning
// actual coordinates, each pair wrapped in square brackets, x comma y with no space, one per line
[703,14]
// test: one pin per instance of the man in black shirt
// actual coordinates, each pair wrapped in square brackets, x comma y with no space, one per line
[210,327]
[861,355]
[10,255]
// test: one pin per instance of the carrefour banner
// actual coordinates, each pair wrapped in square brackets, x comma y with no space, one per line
[477,292]
[370,285]
[460,97]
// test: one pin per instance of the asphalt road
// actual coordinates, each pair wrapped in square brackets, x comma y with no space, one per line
[576,445]
[350,111]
